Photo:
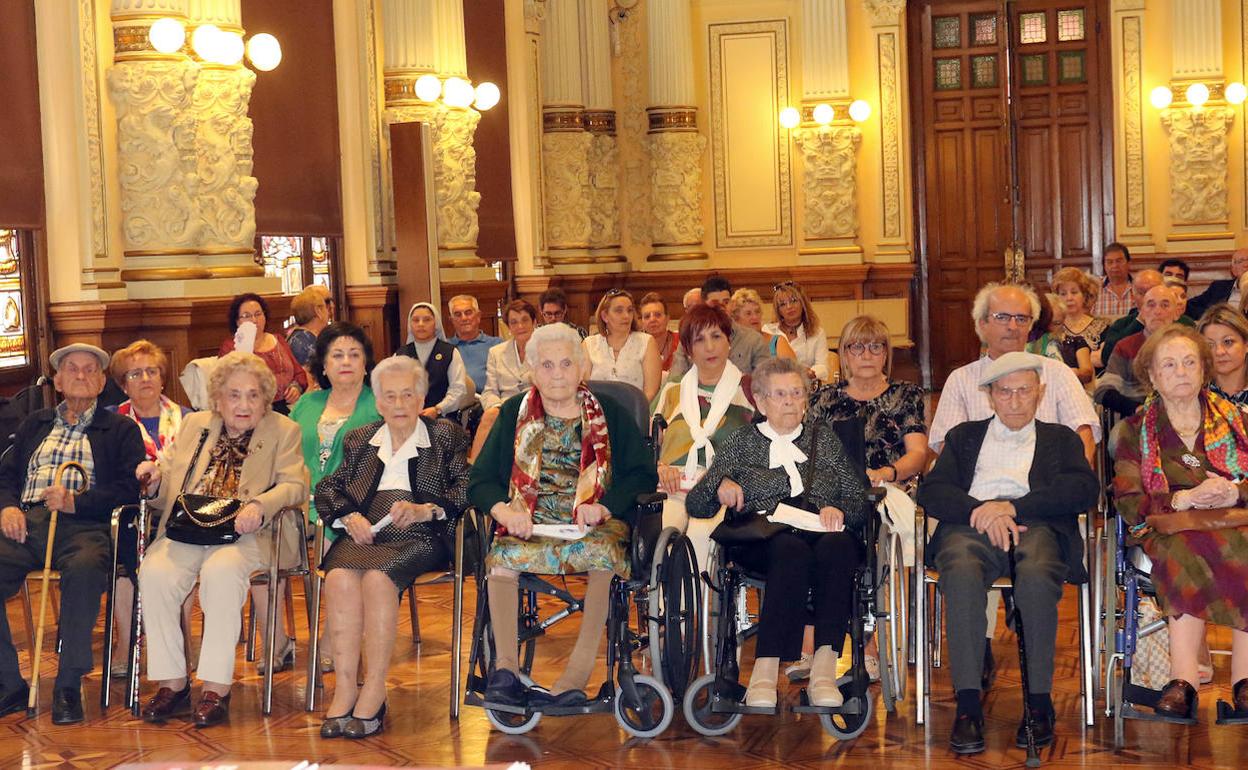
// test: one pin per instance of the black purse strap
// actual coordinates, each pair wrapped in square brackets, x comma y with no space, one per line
[203,439]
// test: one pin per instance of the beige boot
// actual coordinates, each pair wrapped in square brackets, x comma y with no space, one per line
[762,690]
[823,690]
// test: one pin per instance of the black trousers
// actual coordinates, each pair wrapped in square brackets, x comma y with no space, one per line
[82,553]
[796,563]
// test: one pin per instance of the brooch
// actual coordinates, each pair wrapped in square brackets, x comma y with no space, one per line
[1190,460]
[437,357]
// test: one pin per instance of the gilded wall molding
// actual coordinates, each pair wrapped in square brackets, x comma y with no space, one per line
[676,188]
[884,13]
[830,180]
[890,134]
[1199,186]
[89,72]
[633,124]
[604,191]
[1133,120]
[664,119]
[380,263]
[599,121]
[566,175]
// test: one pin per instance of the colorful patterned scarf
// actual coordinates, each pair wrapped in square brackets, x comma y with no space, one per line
[170,423]
[1224,433]
[526,469]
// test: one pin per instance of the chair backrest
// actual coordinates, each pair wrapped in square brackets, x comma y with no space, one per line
[852,433]
[627,396]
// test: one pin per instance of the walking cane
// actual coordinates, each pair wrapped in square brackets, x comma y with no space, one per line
[136,617]
[1033,756]
[37,653]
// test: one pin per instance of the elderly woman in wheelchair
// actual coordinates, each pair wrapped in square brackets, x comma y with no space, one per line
[560,475]
[801,471]
[1181,486]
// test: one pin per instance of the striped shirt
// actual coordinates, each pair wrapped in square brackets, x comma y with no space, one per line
[64,443]
[1112,305]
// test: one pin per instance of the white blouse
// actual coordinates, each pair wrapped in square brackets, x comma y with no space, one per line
[626,367]
[505,374]
[812,352]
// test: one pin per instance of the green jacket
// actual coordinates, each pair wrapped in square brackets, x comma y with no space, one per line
[633,471]
[307,412]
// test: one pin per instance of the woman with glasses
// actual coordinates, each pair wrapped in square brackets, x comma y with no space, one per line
[292,379]
[797,321]
[621,351]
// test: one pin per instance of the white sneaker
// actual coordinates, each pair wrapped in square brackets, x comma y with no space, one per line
[799,670]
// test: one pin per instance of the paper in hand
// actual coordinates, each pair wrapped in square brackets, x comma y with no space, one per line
[559,531]
[245,337]
[797,518]
[381,524]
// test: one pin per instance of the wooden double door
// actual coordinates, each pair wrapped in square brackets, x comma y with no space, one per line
[1012,167]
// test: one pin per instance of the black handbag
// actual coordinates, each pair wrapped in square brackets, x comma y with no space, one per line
[202,519]
[746,528]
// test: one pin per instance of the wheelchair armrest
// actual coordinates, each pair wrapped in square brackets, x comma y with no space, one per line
[651,498]
[875,495]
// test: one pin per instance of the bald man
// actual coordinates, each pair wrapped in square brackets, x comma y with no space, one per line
[1130,323]
[1118,388]
[1225,290]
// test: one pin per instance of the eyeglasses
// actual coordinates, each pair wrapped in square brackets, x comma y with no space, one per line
[151,373]
[796,394]
[1004,319]
[1009,394]
[251,316]
[858,348]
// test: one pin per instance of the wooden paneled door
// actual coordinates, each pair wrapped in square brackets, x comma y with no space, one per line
[1007,109]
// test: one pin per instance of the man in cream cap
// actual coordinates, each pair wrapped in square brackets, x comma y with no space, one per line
[1009,479]
[109,448]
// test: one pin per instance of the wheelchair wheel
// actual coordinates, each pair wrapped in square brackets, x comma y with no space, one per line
[846,727]
[1108,622]
[674,612]
[697,708]
[512,724]
[651,715]
[890,601]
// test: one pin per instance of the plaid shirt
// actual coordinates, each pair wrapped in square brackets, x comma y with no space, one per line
[65,443]
[1110,305]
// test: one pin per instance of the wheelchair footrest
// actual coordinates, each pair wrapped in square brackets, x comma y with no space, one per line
[1229,715]
[851,707]
[597,706]
[1129,711]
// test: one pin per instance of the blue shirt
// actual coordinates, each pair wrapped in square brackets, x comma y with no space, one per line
[475,352]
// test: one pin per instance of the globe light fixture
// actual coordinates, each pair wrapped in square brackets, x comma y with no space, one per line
[457,92]
[230,48]
[1197,94]
[790,117]
[264,52]
[823,114]
[1161,96]
[487,96]
[1236,93]
[166,35]
[204,41]
[428,88]
[859,111]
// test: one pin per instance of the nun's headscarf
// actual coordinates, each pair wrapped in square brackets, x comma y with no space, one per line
[437,321]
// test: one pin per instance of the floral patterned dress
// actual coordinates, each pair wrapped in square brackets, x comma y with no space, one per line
[889,417]
[604,547]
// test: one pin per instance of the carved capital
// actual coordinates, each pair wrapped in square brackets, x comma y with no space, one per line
[676,188]
[1198,164]
[566,176]
[830,159]
[884,13]
[455,177]
[227,190]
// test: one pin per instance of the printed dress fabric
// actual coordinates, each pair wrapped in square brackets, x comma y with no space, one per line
[888,418]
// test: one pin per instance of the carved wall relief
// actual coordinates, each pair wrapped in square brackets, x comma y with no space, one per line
[566,174]
[830,158]
[1198,157]
[676,188]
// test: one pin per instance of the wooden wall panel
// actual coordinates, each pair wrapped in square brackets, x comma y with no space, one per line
[21,160]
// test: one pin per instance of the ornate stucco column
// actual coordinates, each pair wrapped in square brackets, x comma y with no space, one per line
[427,36]
[676,147]
[565,143]
[1200,209]
[599,122]
[829,152]
[886,22]
[1130,185]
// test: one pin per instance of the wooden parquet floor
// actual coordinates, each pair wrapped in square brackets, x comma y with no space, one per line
[419,730]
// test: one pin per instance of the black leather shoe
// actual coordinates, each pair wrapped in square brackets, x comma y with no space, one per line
[213,709]
[67,705]
[968,735]
[1041,729]
[506,689]
[15,700]
[166,703]
[358,727]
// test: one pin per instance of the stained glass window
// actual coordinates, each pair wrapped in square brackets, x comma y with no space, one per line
[1035,70]
[946,32]
[283,258]
[984,29]
[1070,67]
[983,71]
[13,342]
[320,263]
[1031,28]
[1070,25]
[948,74]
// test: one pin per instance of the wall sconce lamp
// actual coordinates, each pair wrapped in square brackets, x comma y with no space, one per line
[1197,94]
[823,114]
[213,44]
[457,92]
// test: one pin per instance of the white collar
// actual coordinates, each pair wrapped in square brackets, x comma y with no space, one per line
[409,449]
[1001,432]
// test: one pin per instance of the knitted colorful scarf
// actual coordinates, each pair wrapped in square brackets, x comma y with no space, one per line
[526,469]
[1224,433]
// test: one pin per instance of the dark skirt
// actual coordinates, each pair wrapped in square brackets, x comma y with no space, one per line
[403,554]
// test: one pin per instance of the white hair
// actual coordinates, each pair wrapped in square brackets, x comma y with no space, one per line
[463,298]
[400,364]
[692,297]
[553,334]
[979,310]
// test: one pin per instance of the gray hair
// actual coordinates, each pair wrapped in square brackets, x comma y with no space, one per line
[979,310]
[249,363]
[773,367]
[463,298]
[552,334]
[400,364]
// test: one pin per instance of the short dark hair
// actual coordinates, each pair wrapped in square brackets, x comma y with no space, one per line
[520,306]
[327,337]
[1172,262]
[553,294]
[715,283]
[1118,247]
[237,305]
[699,317]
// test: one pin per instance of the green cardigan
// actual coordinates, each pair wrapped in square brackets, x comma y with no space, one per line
[633,471]
[307,412]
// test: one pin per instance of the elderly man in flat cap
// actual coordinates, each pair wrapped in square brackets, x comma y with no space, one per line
[108,447]
[1007,479]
